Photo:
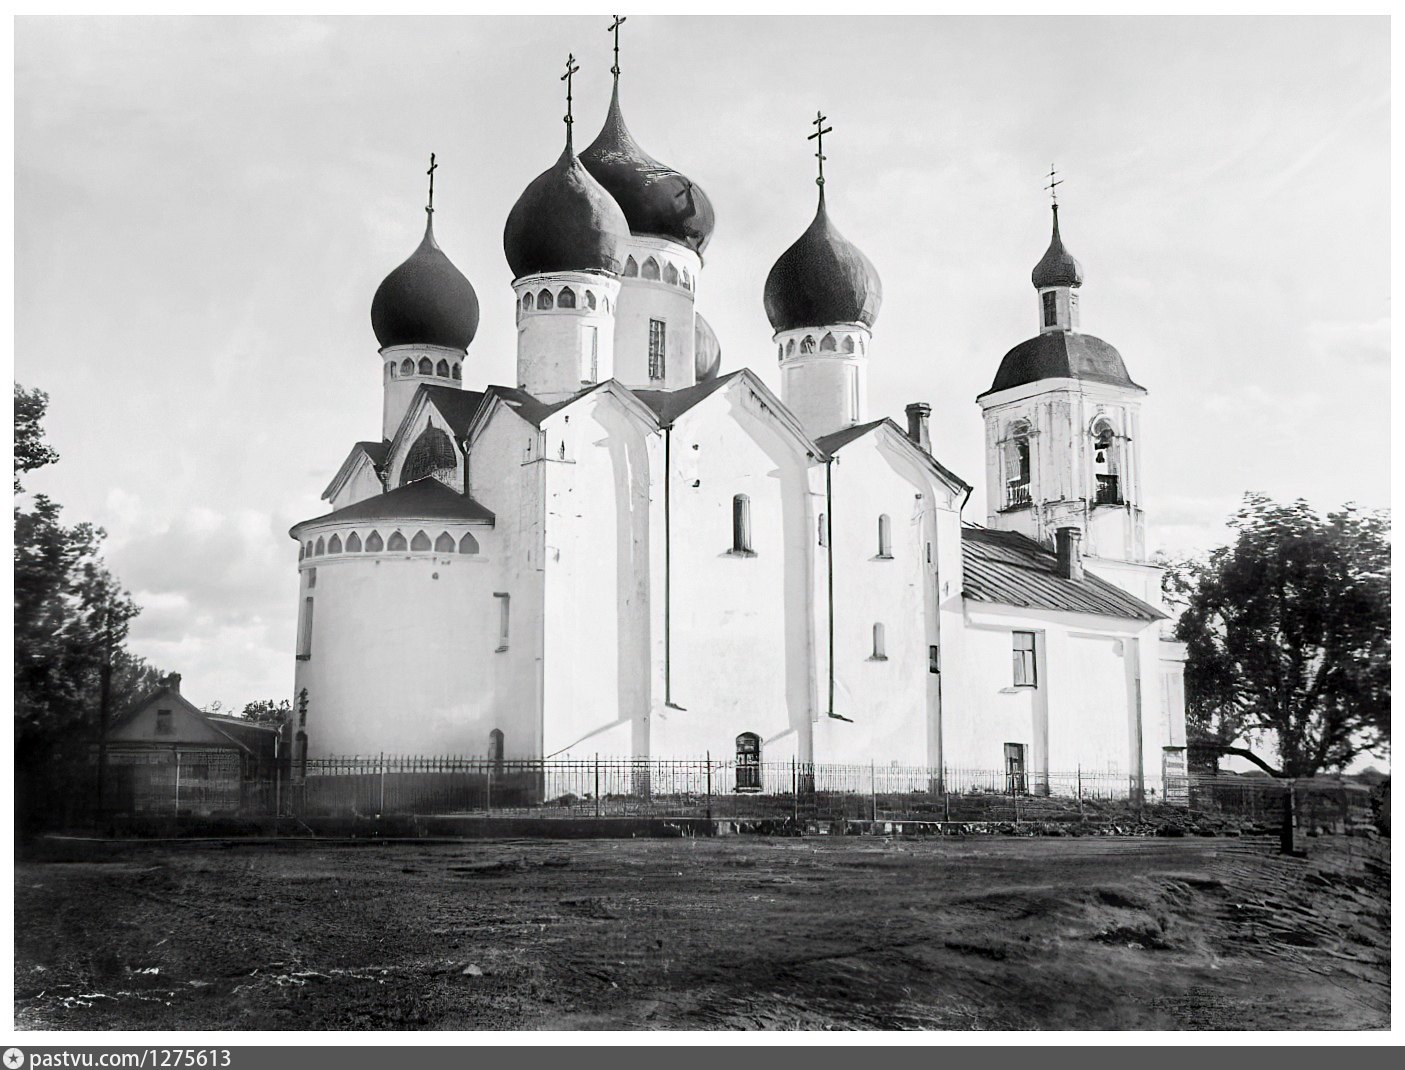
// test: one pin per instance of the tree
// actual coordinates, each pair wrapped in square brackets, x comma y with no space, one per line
[1288,633]
[71,620]
[266,711]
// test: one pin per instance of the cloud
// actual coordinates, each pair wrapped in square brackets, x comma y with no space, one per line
[1361,342]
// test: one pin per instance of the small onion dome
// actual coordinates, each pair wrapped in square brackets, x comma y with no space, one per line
[707,350]
[823,278]
[1057,268]
[425,301]
[564,221]
[1061,355]
[432,452]
[656,199]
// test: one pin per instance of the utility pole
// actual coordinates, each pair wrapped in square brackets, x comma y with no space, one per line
[104,705]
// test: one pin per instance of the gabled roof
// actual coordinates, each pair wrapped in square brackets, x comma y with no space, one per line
[165,694]
[1007,568]
[424,499]
[375,452]
[456,406]
[835,441]
[668,405]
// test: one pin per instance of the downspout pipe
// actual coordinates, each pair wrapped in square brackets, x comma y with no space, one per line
[668,570]
[829,568]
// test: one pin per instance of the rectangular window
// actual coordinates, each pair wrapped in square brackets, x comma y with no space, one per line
[1051,308]
[854,394]
[305,631]
[934,659]
[165,724]
[504,609]
[741,525]
[1024,659]
[592,355]
[657,345]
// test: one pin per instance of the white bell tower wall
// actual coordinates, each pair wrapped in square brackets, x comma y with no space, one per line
[565,332]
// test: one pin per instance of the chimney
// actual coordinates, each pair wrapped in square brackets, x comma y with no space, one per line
[173,682]
[917,414]
[1068,543]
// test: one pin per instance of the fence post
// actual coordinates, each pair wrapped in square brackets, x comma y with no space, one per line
[489,803]
[597,783]
[176,812]
[709,785]
[946,796]
[794,792]
[381,809]
[873,789]
[1080,793]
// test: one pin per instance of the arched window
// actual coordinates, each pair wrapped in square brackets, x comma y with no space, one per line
[880,646]
[828,344]
[1017,465]
[301,552]
[741,524]
[321,547]
[420,543]
[432,454]
[848,346]
[1108,486]
[748,762]
[885,536]
[670,274]
[780,351]
[390,369]
[790,348]
[426,366]
[544,300]
[458,371]
[807,345]
[334,547]
[442,369]
[495,749]
[631,269]
[397,543]
[374,543]
[309,547]
[407,367]
[590,300]
[566,298]
[687,279]
[444,544]
[353,543]
[527,302]
[468,544]
[650,270]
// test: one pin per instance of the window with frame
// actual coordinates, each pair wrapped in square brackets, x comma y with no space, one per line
[741,525]
[885,536]
[658,343]
[1051,308]
[504,615]
[1022,653]
[165,723]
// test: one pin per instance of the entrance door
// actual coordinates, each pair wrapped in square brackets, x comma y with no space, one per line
[748,762]
[1015,768]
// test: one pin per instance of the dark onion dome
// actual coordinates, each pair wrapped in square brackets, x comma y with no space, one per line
[564,221]
[1061,355]
[1057,268]
[425,301]
[822,279]
[707,351]
[432,452]
[656,199]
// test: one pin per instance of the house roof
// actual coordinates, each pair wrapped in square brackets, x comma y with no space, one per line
[375,452]
[1007,568]
[223,733]
[424,499]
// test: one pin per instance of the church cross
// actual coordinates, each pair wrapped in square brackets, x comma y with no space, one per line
[571,69]
[614,28]
[1054,184]
[818,138]
[432,168]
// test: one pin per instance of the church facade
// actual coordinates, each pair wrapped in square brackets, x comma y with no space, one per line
[632,552]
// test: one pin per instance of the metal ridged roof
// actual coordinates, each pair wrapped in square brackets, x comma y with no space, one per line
[1010,569]
[424,499]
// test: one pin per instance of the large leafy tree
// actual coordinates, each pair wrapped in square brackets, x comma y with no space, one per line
[71,619]
[1288,634]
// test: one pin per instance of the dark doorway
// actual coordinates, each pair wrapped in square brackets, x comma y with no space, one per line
[1015,783]
[748,762]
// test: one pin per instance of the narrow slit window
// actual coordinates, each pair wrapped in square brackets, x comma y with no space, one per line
[880,643]
[885,536]
[934,659]
[495,749]
[658,344]
[1051,308]
[591,371]
[1024,664]
[741,524]
[305,631]
[824,534]
[504,614]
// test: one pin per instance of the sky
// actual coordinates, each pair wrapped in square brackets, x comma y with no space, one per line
[204,207]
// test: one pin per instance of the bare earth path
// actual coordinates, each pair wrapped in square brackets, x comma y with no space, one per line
[737,933]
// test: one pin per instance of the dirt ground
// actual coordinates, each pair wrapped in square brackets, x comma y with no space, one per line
[732,933]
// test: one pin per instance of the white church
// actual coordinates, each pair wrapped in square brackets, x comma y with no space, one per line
[633,552]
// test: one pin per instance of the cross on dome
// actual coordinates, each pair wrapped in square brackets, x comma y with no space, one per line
[614,28]
[818,137]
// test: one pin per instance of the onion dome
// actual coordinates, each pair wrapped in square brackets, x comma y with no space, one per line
[425,301]
[823,278]
[656,199]
[432,453]
[1061,355]
[1057,268]
[564,221]
[707,351]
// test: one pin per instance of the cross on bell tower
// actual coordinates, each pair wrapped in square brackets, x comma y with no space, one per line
[818,138]
[432,168]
